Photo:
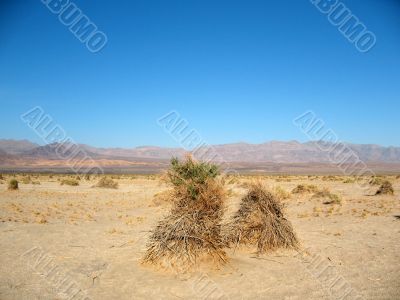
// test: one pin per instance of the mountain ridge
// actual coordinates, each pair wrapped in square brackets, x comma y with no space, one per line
[271,151]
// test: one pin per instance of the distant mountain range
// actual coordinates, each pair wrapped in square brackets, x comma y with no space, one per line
[23,154]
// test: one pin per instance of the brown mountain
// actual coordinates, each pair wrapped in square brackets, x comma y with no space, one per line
[274,156]
[16,146]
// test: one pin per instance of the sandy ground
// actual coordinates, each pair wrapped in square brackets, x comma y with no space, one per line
[65,242]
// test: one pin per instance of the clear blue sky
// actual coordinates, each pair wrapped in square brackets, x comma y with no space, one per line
[236,70]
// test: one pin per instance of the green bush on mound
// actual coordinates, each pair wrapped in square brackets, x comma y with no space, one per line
[13,185]
[192,230]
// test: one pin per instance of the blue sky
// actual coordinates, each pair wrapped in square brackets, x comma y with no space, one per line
[236,70]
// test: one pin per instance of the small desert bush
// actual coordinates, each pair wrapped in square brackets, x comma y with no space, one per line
[329,178]
[13,185]
[349,180]
[376,181]
[281,193]
[26,180]
[305,188]
[71,182]
[106,182]
[1,177]
[386,188]
[87,177]
[330,198]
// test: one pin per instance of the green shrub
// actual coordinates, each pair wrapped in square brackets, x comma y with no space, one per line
[13,185]
[191,174]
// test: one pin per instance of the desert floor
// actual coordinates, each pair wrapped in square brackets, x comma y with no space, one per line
[79,242]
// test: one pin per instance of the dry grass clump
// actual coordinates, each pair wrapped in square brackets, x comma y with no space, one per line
[260,221]
[70,182]
[192,231]
[386,188]
[26,180]
[164,197]
[377,181]
[329,197]
[13,185]
[349,180]
[305,188]
[106,182]
[281,193]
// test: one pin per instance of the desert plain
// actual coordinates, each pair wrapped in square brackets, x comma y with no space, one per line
[85,242]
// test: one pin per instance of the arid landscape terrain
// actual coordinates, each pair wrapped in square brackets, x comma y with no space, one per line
[83,242]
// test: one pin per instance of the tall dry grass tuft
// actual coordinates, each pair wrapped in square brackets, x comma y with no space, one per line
[260,221]
[192,230]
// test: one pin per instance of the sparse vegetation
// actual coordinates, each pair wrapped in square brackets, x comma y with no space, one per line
[260,221]
[386,188]
[376,181]
[281,193]
[349,180]
[192,230]
[26,180]
[107,183]
[13,185]
[70,182]
[305,188]
[330,198]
